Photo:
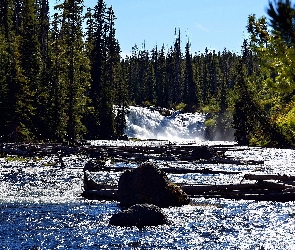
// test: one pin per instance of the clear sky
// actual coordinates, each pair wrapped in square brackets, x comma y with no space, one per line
[215,24]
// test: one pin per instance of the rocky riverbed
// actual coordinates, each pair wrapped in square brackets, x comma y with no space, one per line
[42,206]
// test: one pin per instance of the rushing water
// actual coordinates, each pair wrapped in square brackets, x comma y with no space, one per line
[41,208]
[147,123]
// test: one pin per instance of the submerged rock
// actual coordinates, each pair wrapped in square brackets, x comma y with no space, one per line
[139,215]
[148,184]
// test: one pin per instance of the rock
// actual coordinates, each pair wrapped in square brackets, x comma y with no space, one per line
[203,152]
[90,184]
[148,184]
[94,165]
[139,215]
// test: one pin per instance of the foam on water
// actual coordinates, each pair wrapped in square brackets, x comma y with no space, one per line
[41,204]
[147,123]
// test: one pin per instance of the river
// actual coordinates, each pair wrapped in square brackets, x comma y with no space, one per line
[41,207]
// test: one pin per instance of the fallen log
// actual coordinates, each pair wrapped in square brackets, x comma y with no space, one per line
[200,189]
[103,194]
[257,195]
[169,170]
[263,177]
[264,191]
[197,171]
[167,152]
[277,196]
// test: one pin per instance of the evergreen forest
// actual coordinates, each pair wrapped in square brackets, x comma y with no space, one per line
[62,78]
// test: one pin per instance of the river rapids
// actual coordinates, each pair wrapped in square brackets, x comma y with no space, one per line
[41,206]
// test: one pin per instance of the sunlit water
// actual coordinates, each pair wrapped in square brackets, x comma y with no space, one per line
[41,206]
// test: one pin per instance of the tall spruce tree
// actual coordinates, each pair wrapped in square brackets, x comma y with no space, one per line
[282,19]
[97,51]
[160,75]
[121,101]
[24,69]
[177,88]
[74,68]
[106,105]
[190,95]
[6,10]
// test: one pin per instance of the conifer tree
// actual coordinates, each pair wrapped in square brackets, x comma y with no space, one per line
[74,68]
[205,77]
[57,89]
[177,80]
[190,96]
[160,75]
[96,46]
[282,18]
[5,65]
[30,66]
[44,102]
[106,105]
[135,74]
[121,101]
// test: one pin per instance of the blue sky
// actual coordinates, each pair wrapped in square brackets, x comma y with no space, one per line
[216,24]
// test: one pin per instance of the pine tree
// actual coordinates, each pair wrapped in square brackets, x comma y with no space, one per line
[106,105]
[170,78]
[121,101]
[57,88]
[205,60]
[44,101]
[74,69]
[31,68]
[137,71]
[4,87]
[5,65]
[160,75]
[177,80]
[144,77]
[282,18]
[96,48]
[190,95]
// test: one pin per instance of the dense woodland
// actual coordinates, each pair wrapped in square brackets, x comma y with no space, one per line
[62,77]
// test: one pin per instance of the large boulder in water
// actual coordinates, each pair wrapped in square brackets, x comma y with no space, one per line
[148,184]
[139,215]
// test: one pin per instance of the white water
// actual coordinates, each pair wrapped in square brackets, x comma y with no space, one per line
[147,123]
[41,207]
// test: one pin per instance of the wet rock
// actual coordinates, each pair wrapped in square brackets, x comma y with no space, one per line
[139,215]
[203,152]
[90,184]
[94,165]
[148,184]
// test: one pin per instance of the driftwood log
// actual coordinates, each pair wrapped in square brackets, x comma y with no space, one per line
[167,152]
[264,177]
[262,190]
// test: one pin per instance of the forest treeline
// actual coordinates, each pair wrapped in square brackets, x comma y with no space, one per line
[62,78]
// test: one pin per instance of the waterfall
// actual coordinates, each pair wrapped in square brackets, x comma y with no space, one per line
[149,123]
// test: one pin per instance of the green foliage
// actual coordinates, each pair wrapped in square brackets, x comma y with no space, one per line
[180,106]
[282,16]
[60,84]
[275,84]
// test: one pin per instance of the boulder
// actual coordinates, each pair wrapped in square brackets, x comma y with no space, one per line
[139,215]
[149,184]
[90,184]
[203,152]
